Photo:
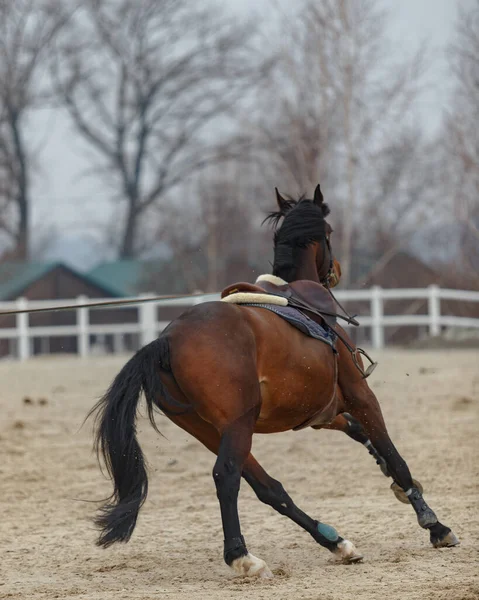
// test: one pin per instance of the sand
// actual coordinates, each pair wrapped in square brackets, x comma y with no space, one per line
[48,473]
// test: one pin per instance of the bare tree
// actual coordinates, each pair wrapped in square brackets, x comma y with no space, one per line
[403,197]
[339,105]
[211,232]
[27,29]
[459,167]
[150,87]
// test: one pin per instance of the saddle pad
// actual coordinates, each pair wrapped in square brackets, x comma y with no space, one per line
[301,322]
[254,298]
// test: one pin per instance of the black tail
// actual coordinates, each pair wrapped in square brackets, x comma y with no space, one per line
[116,438]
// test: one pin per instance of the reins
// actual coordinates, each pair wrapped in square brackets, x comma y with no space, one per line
[347,317]
[100,304]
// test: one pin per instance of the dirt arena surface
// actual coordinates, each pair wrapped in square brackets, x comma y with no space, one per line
[431,404]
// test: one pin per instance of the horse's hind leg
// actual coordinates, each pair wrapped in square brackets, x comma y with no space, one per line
[231,447]
[268,491]
[272,492]
[234,448]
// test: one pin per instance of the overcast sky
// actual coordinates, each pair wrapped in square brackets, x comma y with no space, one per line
[63,186]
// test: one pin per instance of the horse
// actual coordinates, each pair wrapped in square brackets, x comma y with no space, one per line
[224,371]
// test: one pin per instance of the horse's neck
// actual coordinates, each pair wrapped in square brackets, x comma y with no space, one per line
[305,267]
[307,272]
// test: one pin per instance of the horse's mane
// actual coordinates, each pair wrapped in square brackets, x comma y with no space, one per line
[303,224]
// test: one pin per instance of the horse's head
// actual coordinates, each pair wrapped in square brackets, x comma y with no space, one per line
[304,226]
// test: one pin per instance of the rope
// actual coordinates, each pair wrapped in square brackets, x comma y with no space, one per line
[101,304]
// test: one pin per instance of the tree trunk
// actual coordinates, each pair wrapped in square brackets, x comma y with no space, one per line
[22,248]
[348,215]
[212,254]
[127,248]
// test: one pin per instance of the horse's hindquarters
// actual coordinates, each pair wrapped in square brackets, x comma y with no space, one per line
[228,360]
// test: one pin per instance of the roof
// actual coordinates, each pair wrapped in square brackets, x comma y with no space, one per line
[401,270]
[125,276]
[130,277]
[15,277]
[361,264]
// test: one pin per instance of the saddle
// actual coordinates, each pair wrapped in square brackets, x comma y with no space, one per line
[310,297]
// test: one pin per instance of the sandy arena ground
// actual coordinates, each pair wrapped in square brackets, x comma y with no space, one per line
[431,403]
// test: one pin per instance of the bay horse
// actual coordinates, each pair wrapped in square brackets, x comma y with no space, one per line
[224,371]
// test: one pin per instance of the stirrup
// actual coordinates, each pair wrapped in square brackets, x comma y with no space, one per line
[365,373]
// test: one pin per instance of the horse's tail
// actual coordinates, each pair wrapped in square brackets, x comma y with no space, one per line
[116,438]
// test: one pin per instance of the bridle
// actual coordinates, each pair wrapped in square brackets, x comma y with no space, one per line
[326,281]
[330,274]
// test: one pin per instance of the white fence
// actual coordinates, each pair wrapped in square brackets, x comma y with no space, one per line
[148,326]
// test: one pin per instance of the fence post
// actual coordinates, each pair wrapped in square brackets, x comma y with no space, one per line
[82,325]
[434,309]
[118,343]
[22,330]
[148,324]
[377,311]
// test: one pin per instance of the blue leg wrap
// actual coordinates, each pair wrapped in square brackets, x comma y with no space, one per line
[328,532]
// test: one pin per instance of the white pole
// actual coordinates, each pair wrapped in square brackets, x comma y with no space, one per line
[118,343]
[148,323]
[22,330]
[82,326]
[434,307]
[377,311]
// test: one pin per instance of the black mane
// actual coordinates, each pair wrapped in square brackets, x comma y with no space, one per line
[303,224]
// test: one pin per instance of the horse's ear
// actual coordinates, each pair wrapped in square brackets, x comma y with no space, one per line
[282,203]
[318,196]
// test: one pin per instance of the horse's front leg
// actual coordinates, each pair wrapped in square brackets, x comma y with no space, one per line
[352,428]
[363,405]
[367,410]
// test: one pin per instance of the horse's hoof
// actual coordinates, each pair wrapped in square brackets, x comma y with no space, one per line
[347,553]
[448,541]
[401,494]
[250,566]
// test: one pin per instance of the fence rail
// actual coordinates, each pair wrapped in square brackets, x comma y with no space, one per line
[148,325]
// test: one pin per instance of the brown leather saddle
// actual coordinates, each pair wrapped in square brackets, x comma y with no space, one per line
[314,300]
